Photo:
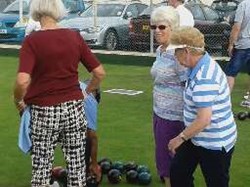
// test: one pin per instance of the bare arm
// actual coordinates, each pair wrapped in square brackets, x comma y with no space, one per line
[94,168]
[22,83]
[233,37]
[202,120]
[98,75]
[94,146]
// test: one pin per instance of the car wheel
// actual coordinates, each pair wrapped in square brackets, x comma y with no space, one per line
[111,40]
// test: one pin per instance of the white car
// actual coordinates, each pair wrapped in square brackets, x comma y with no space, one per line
[110,27]
[13,31]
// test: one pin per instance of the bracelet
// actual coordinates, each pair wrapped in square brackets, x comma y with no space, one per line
[183,137]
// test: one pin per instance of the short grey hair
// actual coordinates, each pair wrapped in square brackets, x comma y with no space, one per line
[52,8]
[189,36]
[166,14]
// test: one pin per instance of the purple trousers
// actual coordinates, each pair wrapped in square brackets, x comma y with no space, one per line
[164,131]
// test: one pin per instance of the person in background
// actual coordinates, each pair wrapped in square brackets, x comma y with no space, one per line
[210,133]
[90,105]
[32,26]
[239,45]
[168,86]
[186,17]
[47,82]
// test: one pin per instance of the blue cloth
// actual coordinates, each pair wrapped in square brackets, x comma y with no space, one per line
[24,142]
[90,107]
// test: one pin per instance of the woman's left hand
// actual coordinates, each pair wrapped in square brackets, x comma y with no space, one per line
[174,144]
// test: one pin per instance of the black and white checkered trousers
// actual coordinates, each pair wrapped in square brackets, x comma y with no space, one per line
[64,123]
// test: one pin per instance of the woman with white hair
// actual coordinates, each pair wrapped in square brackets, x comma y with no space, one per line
[168,84]
[210,130]
[47,82]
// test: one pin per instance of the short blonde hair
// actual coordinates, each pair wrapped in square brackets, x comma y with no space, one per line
[52,8]
[189,36]
[166,14]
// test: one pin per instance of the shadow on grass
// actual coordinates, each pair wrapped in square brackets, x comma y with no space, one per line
[9,52]
[121,59]
[126,60]
[104,58]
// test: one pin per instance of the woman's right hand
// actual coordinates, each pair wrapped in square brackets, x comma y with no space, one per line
[95,169]
[174,144]
[20,105]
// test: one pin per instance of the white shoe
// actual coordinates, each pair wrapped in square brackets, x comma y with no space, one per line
[245,103]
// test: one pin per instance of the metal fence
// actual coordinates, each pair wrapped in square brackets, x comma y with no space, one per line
[122,27]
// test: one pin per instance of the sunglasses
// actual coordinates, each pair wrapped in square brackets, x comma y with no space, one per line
[160,27]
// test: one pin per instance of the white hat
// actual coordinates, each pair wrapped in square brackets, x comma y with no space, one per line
[176,46]
[181,46]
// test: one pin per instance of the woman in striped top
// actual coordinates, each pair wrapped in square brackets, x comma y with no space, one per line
[210,130]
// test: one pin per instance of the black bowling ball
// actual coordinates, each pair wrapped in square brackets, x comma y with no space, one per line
[114,176]
[131,165]
[144,178]
[105,160]
[91,181]
[105,166]
[132,176]
[62,179]
[242,116]
[118,165]
[143,168]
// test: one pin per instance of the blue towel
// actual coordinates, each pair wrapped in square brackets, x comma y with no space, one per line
[24,142]
[90,107]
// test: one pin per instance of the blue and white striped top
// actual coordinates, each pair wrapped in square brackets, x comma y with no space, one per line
[207,87]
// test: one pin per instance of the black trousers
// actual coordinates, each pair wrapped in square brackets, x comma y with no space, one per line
[87,154]
[214,166]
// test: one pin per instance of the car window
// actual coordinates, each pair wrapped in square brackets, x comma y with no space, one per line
[14,7]
[71,5]
[133,9]
[225,6]
[105,10]
[149,9]
[141,7]
[193,1]
[211,15]
[197,12]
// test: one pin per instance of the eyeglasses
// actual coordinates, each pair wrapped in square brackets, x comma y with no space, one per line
[160,27]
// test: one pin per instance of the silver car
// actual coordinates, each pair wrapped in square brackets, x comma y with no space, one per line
[110,27]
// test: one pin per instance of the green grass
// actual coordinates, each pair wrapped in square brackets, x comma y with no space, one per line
[124,124]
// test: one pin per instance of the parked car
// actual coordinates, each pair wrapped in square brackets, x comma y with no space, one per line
[207,20]
[109,28]
[12,30]
[4,4]
[226,8]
